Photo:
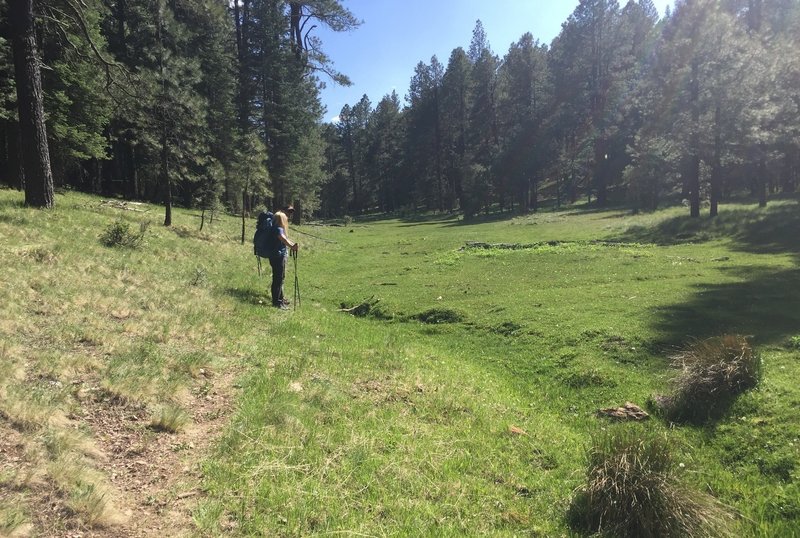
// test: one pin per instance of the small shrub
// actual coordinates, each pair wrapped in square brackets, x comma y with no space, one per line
[712,373]
[347,220]
[794,342]
[200,276]
[119,234]
[169,418]
[633,490]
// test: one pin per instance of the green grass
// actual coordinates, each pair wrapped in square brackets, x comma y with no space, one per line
[407,421]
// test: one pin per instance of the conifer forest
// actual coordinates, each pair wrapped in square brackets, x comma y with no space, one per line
[215,105]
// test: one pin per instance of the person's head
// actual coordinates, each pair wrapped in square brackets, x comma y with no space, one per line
[289,210]
[281,219]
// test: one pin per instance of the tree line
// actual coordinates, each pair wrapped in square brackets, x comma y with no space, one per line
[211,103]
[622,107]
[203,103]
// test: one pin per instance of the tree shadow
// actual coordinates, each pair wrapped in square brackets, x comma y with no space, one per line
[763,306]
[485,219]
[771,230]
[427,219]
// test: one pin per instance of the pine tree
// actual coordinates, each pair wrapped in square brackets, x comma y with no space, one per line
[523,107]
[482,140]
[77,86]
[455,105]
[384,157]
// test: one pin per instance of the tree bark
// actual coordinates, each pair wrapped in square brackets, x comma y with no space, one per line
[716,170]
[762,177]
[165,178]
[35,153]
[693,171]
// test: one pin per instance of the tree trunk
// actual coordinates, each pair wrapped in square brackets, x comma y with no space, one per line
[35,153]
[600,165]
[295,19]
[164,173]
[244,210]
[693,170]
[716,171]
[165,179]
[762,178]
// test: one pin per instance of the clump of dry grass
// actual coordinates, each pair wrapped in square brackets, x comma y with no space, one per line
[169,418]
[712,373]
[633,489]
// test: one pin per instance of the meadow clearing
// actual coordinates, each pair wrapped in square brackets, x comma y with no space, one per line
[152,389]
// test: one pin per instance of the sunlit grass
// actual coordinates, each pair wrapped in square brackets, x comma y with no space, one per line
[462,406]
[81,320]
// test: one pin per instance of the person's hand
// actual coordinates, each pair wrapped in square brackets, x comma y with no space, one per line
[295,247]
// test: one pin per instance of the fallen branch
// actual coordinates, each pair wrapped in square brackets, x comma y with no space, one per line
[121,204]
[362,309]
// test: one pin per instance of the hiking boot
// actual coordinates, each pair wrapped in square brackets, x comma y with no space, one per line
[282,306]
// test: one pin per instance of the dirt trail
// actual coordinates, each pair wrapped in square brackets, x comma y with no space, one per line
[152,477]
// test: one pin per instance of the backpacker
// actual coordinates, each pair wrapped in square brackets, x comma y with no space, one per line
[265,240]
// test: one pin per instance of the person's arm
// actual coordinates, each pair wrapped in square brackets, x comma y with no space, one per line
[286,241]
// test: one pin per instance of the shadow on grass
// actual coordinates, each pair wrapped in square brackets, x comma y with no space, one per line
[763,306]
[428,219]
[485,218]
[250,295]
[771,230]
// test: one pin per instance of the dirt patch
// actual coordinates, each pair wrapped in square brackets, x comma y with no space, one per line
[157,473]
[150,480]
[386,390]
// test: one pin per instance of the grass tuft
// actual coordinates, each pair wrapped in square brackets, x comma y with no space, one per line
[713,372]
[169,418]
[633,490]
[12,520]
[90,502]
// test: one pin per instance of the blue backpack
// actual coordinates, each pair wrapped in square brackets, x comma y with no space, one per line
[265,240]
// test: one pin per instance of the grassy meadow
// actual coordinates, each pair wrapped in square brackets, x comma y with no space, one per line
[462,403]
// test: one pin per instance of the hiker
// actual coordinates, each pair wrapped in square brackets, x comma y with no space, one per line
[277,260]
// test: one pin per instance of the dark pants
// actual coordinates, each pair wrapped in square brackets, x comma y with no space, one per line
[278,264]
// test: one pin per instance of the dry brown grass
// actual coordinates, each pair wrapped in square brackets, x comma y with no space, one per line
[633,490]
[711,374]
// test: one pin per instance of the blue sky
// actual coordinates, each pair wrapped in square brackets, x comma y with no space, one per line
[381,54]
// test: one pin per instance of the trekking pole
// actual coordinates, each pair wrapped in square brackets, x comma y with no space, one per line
[296,282]
[315,236]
